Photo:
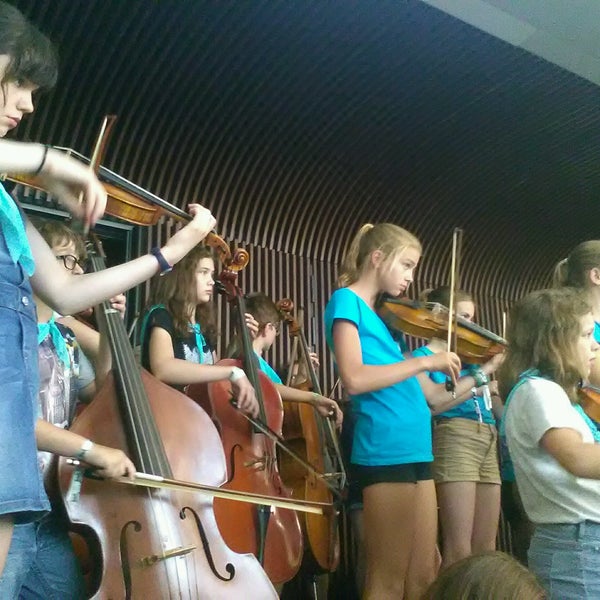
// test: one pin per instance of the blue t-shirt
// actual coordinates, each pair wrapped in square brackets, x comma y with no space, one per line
[393,424]
[469,409]
[268,370]
[597,332]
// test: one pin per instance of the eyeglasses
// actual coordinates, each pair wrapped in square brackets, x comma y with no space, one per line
[70,261]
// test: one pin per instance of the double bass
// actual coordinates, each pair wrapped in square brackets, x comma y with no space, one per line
[150,543]
[272,534]
[314,438]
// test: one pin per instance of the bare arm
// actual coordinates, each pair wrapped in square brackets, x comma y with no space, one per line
[359,378]
[69,295]
[440,400]
[325,406]
[110,462]
[568,448]
[62,176]
[176,371]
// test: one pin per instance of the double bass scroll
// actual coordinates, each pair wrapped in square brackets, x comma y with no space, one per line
[314,438]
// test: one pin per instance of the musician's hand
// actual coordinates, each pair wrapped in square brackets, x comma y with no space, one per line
[191,235]
[245,397]
[119,302]
[328,407]
[110,462]
[252,325]
[493,364]
[445,362]
[314,359]
[67,179]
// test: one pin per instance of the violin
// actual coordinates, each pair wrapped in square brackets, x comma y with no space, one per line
[475,345]
[314,438]
[589,398]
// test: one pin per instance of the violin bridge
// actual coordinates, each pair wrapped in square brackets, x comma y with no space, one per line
[148,561]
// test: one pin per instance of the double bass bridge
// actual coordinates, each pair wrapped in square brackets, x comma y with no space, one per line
[148,561]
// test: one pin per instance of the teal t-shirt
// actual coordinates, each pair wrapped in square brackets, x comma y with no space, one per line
[393,424]
[597,332]
[472,408]
[268,370]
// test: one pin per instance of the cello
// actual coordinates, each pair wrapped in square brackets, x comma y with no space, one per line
[314,438]
[272,534]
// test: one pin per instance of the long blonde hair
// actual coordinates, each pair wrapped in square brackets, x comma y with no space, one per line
[574,270]
[542,334]
[390,239]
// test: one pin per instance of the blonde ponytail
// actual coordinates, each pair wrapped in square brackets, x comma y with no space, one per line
[561,273]
[390,239]
[350,266]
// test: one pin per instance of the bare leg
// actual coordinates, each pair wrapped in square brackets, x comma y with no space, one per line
[487,515]
[389,526]
[457,511]
[358,549]
[6,530]
[424,562]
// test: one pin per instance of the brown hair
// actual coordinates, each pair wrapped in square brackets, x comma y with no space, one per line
[177,291]
[488,576]
[57,233]
[441,295]
[543,329]
[263,309]
[32,55]
[390,239]
[574,270]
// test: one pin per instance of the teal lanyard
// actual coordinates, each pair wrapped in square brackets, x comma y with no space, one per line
[200,341]
[51,329]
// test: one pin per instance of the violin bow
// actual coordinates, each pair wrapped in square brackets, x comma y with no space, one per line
[454,279]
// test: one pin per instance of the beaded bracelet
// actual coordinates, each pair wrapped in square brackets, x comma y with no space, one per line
[479,376]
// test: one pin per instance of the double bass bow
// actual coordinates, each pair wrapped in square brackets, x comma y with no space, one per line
[314,438]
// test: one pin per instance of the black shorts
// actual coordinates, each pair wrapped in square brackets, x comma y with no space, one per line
[362,476]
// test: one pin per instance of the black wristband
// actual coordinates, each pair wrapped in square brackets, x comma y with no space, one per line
[39,169]
[165,267]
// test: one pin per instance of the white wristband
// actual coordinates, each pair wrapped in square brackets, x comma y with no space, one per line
[85,448]
[236,373]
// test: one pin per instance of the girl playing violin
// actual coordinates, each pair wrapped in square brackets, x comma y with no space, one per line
[465,465]
[179,334]
[27,64]
[553,444]
[581,269]
[392,398]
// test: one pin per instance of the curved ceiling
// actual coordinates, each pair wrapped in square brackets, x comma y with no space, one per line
[295,122]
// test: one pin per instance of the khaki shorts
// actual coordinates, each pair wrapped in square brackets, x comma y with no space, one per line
[465,450]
